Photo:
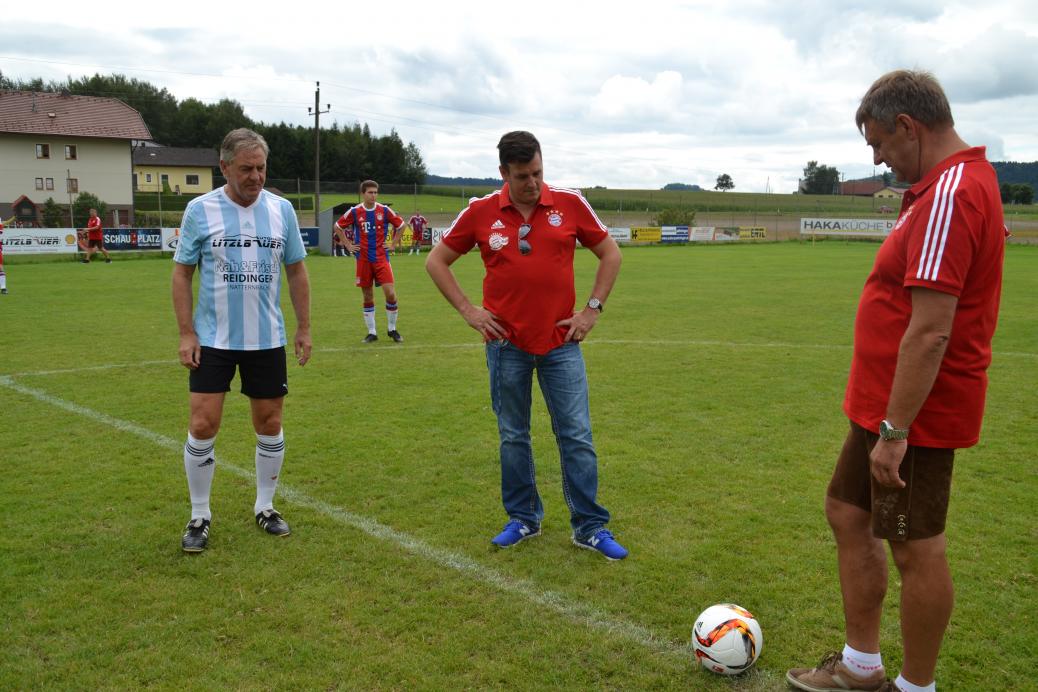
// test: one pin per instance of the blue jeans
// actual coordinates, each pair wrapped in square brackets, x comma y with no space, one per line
[563,381]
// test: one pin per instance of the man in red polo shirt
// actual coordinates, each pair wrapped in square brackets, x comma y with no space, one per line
[922,345]
[95,238]
[526,233]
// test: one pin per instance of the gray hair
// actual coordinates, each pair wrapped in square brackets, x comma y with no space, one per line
[242,138]
[914,93]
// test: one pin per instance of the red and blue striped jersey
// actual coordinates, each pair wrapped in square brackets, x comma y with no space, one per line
[367,228]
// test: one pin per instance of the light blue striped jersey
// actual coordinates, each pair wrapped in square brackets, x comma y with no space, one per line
[239,251]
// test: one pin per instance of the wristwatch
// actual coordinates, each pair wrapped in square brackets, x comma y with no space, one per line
[595,304]
[889,432]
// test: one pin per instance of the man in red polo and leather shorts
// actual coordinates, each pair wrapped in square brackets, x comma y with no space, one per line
[922,345]
[95,238]
[362,230]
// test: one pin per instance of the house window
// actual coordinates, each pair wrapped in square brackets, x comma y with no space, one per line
[50,183]
[39,183]
[43,151]
[70,151]
[147,177]
[192,180]
[73,185]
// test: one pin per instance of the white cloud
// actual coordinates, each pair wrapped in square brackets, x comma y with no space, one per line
[619,95]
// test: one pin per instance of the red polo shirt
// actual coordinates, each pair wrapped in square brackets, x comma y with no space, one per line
[529,293]
[93,226]
[949,237]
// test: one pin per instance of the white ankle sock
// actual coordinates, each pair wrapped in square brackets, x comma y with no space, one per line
[906,686]
[861,663]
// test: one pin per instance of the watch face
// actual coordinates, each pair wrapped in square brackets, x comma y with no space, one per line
[595,304]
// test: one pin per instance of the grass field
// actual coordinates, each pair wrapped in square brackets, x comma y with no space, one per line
[716,372]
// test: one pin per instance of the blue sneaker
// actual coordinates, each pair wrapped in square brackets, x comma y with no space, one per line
[514,532]
[603,542]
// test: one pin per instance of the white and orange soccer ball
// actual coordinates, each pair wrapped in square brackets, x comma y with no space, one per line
[727,639]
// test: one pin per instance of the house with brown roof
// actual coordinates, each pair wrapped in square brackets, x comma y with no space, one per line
[60,145]
[863,188]
[176,169]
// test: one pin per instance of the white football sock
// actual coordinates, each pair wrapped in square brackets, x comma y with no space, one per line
[861,663]
[391,316]
[369,319]
[199,463]
[906,686]
[270,454]
[3,280]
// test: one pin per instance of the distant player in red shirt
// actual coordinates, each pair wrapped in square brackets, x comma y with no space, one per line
[417,224]
[95,238]
[3,276]
[362,230]
[526,234]
[922,345]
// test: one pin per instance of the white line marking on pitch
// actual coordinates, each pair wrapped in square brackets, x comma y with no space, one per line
[561,604]
[593,342]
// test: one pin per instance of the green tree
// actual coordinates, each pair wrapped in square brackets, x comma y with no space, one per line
[54,215]
[1023,194]
[724,183]
[82,206]
[820,180]
[675,216]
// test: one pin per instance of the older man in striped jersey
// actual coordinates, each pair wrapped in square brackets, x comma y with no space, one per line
[238,236]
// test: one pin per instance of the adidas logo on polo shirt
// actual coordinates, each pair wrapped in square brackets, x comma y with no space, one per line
[496,225]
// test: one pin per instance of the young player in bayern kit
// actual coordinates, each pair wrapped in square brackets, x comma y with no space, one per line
[238,236]
[366,240]
[417,224]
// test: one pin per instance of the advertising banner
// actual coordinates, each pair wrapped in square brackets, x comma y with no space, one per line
[133,238]
[674,234]
[39,241]
[620,235]
[698,234]
[646,234]
[753,232]
[876,228]
[169,239]
[726,233]
[310,235]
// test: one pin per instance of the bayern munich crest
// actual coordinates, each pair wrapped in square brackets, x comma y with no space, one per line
[904,217]
[497,241]
[555,218]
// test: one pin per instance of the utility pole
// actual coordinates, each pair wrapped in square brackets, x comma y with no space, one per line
[316,111]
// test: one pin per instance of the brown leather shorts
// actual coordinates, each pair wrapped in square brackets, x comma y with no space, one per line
[918,510]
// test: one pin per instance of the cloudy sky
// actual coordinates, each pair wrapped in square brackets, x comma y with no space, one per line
[630,94]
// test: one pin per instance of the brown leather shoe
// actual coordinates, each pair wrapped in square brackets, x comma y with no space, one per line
[832,676]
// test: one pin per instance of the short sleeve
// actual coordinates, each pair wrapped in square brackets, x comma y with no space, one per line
[461,236]
[189,244]
[941,248]
[295,251]
[590,229]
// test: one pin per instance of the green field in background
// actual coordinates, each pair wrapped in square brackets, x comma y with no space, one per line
[716,374]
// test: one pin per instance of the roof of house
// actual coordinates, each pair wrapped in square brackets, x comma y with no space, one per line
[175,156]
[861,187]
[895,190]
[63,114]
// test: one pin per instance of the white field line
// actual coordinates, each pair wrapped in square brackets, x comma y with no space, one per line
[565,606]
[594,342]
